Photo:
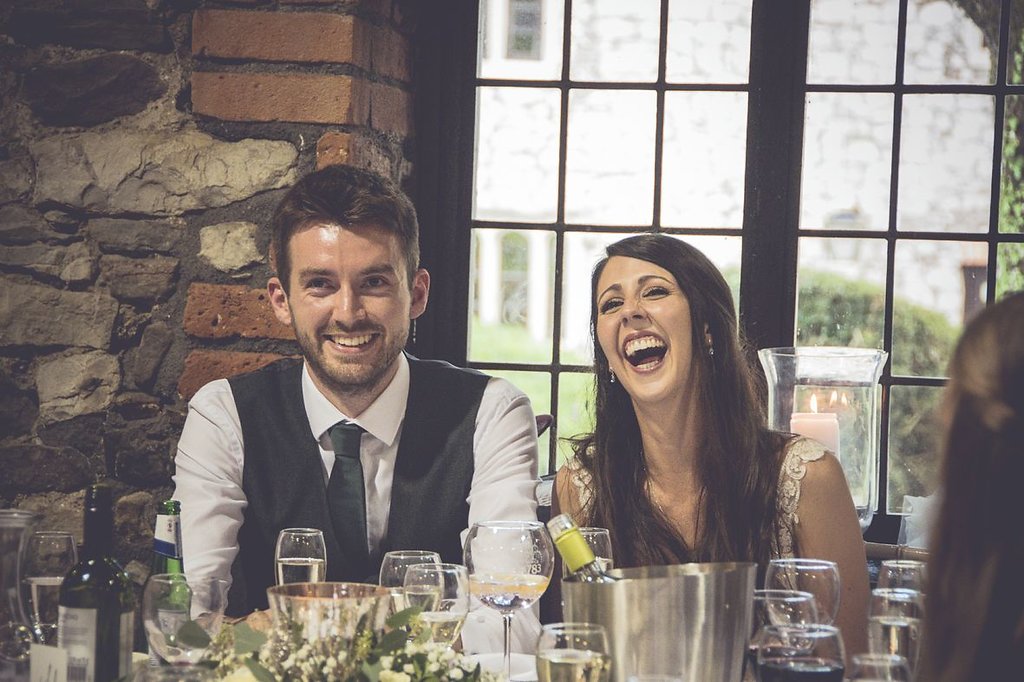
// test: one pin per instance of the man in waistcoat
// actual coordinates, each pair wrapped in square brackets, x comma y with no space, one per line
[376,448]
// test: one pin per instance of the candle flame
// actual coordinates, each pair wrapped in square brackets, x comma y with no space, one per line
[814,403]
[844,400]
[832,399]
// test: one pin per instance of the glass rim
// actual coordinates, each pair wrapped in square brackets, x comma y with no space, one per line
[903,563]
[509,524]
[816,630]
[901,593]
[300,531]
[784,595]
[868,657]
[437,566]
[824,351]
[407,553]
[188,578]
[800,561]
[52,533]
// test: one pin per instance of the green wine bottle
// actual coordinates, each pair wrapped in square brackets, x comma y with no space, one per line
[96,605]
[576,553]
[167,558]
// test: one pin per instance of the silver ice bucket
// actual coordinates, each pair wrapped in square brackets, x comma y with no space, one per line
[690,621]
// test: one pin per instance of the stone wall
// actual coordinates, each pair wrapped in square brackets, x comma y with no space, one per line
[143,145]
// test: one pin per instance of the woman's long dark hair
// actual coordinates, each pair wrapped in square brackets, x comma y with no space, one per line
[974,627]
[738,461]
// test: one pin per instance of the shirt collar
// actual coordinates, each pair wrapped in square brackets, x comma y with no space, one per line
[382,419]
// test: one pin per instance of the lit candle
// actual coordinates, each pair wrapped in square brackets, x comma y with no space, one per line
[821,426]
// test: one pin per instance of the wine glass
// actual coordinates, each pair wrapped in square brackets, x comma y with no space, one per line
[879,668]
[894,623]
[789,653]
[902,573]
[441,591]
[509,565]
[182,613]
[392,571]
[300,556]
[817,576]
[600,541]
[573,651]
[49,555]
[778,607]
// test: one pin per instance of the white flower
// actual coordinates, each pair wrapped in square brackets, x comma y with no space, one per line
[455,674]
[392,676]
[240,674]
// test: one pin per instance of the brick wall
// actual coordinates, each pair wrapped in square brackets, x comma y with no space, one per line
[142,148]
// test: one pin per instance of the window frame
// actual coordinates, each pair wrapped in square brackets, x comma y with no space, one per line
[445,54]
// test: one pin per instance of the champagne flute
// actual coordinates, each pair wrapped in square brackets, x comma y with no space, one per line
[509,565]
[894,623]
[441,591]
[573,652]
[182,613]
[817,576]
[801,653]
[392,572]
[600,541]
[904,573]
[49,555]
[300,556]
[778,607]
[879,668]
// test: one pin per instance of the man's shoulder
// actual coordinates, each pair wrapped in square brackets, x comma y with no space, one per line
[439,369]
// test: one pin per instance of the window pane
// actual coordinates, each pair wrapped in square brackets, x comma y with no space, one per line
[610,159]
[521,39]
[841,292]
[536,385]
[1009,269]
[708,41]
[614,40]
[1011,193]
[914,446]
[852,41]
[1015,65]
[847,161]
[575,409]
[946,163]
[511,296]
[945,46]
[516,155]
[932,292]
[703,160]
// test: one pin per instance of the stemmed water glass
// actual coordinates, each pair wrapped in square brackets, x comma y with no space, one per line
[510,564]
[393,568]
[600,541]
[879,668]
[49,555]
[441,591]
[894,623]
[817,576]
[576,651]
[300,556]
[778,607]
[795,652]
[904,573]
[182,614]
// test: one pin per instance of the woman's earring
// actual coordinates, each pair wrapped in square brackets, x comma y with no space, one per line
[711,351]
[611,380]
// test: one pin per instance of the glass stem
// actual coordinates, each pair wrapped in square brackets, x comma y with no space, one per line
[507,621]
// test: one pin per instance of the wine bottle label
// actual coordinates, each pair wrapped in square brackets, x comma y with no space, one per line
[167,535]
[76,633]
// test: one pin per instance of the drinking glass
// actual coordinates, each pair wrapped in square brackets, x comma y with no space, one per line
[600,541]
[817,576]
[392,571]
[49,555]
[795,653]
[182,613]
[442,593]
[904,573]
[894,623]
[777,607]
[879,668]
[509,565]
[300,556]
[573,651]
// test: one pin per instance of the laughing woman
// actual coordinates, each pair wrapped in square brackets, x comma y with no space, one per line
[681,466]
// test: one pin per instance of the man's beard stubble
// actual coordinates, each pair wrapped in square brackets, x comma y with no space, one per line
[353,379]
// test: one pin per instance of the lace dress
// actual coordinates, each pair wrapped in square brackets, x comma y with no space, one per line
[799,451]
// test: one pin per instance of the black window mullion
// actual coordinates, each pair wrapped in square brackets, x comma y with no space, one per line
[778,67]
[1002,68]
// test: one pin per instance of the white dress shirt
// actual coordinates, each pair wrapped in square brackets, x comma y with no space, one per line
[209,462]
